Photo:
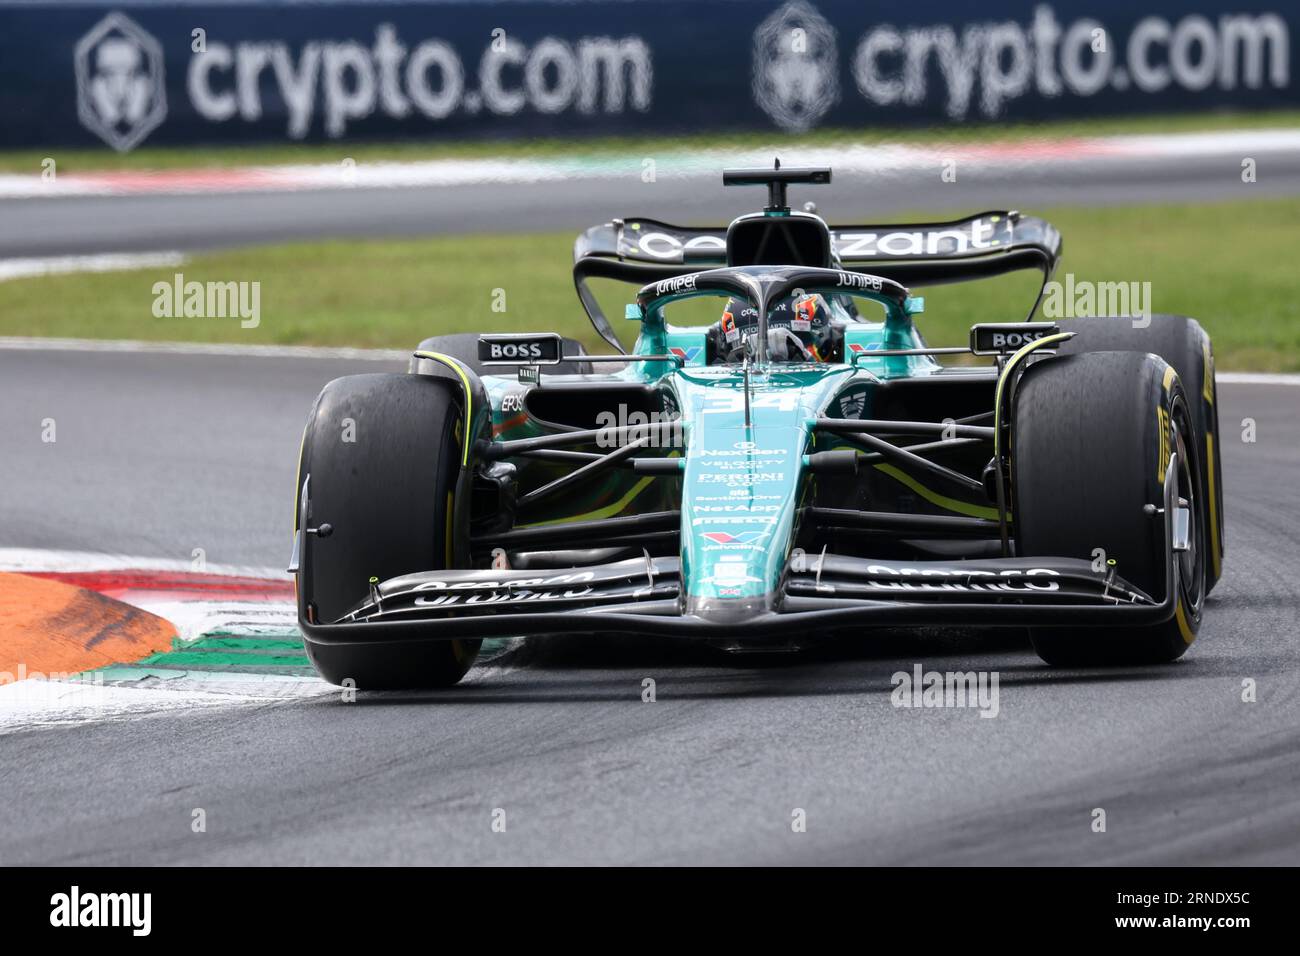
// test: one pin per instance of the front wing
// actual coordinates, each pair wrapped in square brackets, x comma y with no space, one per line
[643,596]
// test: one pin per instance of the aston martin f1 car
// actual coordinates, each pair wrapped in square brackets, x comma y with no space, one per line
[779,457]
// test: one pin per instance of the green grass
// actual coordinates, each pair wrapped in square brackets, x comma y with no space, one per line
[1230,265]
[150,157]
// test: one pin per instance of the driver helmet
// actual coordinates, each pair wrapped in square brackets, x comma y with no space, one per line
[799,329]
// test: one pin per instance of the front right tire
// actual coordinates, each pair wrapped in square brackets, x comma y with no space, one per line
[1182,343]
[1092,436]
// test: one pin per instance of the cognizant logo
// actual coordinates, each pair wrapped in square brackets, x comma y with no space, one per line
[348,81]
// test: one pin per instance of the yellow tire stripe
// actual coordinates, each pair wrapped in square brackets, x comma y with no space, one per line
[297,500]
[458,650]
[1006,374]
[1214,507]
[1183,627]
[297,479]
[1170,375]
[1207,370]
[458,367]
[451,511]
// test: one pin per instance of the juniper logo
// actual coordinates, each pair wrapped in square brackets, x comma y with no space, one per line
[796,66]
[121,97]
[74,909]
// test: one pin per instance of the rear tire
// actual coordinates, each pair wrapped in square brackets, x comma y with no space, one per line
[388,494]
[1182,343]
[1091,437]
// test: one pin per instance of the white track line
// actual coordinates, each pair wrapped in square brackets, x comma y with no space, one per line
[37,559]
[25,268]
[25,343]
[845,157]
[36,703]
[1257,378]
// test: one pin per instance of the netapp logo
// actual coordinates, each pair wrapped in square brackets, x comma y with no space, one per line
[74,909]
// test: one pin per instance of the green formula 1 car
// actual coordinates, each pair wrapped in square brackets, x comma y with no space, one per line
[779,457]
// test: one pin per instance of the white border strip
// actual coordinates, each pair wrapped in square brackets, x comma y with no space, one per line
[34,344]
[26,343]
[27,268]
[673,161]
[1257,378]
[19,560]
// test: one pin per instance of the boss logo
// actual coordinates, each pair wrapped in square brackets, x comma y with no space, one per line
[1008,336]
[542,349]
[1002,340]
[512,350]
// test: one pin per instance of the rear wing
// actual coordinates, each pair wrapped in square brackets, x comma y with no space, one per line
[915,254]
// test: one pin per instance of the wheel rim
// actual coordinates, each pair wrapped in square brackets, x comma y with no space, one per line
[1191,563]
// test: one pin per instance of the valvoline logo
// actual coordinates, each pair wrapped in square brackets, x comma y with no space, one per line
[686,355]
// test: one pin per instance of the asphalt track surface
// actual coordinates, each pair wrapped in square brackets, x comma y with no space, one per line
[186,223]
[161,454]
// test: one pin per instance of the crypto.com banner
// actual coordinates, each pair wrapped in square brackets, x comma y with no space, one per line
[123,74]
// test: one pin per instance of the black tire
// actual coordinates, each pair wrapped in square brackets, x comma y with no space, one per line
[387,494]
[464,346]
[1182,343]
[1087,456]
